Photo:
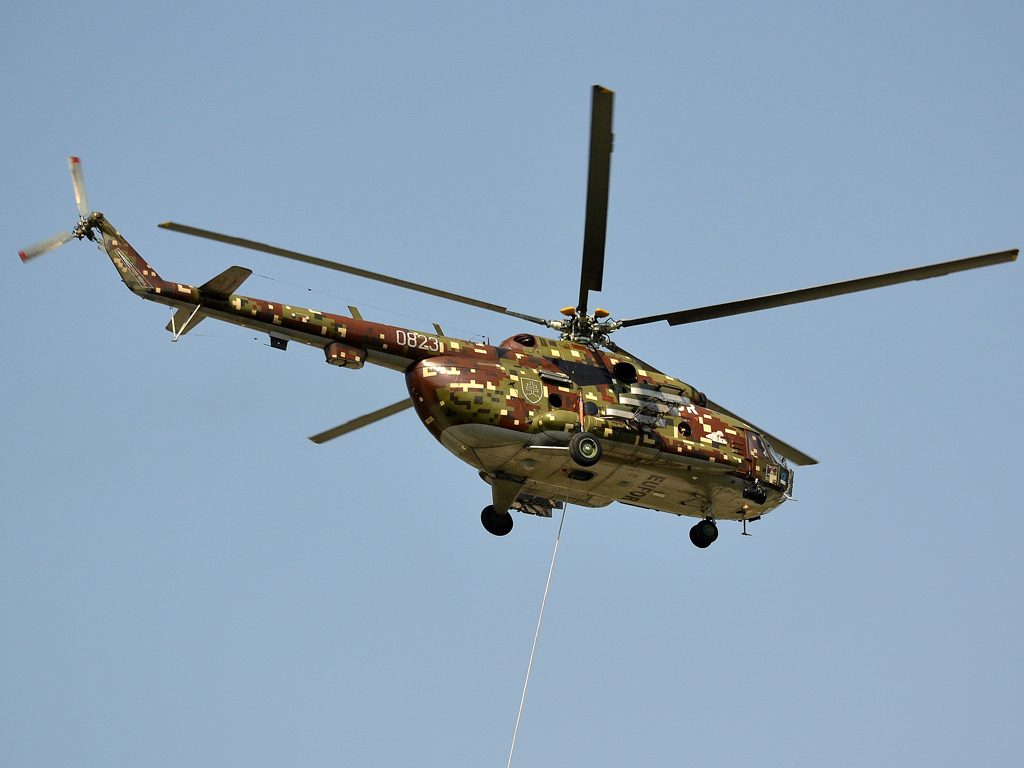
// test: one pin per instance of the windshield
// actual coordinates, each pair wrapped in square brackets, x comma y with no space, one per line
[773,453]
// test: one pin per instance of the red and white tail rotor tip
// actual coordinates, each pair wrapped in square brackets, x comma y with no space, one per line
[47,245]
[78,179]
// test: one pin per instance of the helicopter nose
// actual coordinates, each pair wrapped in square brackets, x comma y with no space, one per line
[430,386]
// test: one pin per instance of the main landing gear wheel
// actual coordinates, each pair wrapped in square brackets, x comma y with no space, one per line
[704,533]
[585,449]
[496,524]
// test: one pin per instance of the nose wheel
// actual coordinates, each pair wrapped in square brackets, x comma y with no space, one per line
[495,524]
[704,533]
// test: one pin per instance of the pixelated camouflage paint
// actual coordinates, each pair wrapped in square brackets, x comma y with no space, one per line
[701,454]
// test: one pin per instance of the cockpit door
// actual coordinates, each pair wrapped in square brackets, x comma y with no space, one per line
[766,464]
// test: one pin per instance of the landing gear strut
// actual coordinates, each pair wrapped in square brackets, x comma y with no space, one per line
[704,533]
[496,524]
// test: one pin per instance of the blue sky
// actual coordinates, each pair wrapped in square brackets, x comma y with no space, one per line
[185,580]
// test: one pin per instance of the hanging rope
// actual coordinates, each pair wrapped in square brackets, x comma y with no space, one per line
[539,620]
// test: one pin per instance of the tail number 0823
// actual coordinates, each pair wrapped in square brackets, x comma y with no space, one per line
[418,341]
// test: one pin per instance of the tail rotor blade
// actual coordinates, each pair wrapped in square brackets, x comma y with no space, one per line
[45,246]
[78,179]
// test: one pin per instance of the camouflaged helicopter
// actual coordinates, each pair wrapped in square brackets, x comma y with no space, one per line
[545,421]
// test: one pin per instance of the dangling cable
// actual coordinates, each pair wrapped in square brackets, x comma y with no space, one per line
[539,620]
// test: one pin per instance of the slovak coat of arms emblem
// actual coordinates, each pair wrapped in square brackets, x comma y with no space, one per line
[532,390]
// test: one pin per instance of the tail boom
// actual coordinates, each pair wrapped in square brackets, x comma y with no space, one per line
[384,345]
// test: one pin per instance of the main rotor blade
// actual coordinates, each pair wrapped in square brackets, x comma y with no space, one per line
[824,291]
[799,458]
[45,246]
[253,245]
[598,177]
[78,179]
[362,421]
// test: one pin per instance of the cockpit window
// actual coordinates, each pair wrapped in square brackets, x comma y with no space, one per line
[756,446]
[779,459]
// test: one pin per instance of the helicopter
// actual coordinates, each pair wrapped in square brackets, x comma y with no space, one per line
[545,421]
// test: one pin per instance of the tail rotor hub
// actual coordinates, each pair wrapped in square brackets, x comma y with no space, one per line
[86,225]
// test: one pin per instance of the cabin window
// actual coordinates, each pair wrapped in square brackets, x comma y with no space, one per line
[555,400]
[590,408]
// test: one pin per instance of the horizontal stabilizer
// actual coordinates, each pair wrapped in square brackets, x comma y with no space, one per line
[181,320]
[226,283]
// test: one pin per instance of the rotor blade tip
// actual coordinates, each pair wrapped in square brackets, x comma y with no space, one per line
[23,256]
[165,225]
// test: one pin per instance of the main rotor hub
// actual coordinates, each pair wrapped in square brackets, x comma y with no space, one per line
[589,330]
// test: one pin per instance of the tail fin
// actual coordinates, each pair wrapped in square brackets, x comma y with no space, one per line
[135,271]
